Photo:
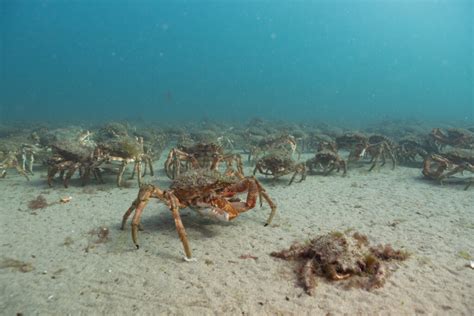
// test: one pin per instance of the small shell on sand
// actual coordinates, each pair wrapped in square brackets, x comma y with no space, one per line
[66,199]
[472,264]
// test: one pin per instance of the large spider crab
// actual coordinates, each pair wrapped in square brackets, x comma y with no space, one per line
[208,192]
[455,137]
[377,147]
[318,141]
[19,153]
[355,143]
[72,154]
[442,166]
[410,147]
[278,164]
[125,150]
[341,257]
[8,161]
[201,155]
[285,142]
[326,160]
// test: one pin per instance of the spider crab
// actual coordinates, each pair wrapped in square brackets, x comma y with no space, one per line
[208,192]
[411,146]
[10,160]
[201,155]
[377,146]
[441,166]
[285,143]
[126,150]
[455,137]
[12,149]
[278,164]
[72,154]
[341,257]
[355,143]
[326,160]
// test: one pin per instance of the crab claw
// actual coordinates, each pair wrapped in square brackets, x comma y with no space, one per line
[215,212]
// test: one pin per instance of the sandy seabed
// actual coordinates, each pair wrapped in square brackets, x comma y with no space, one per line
[69,271]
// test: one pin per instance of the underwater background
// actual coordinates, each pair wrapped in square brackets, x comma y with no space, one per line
[229,60]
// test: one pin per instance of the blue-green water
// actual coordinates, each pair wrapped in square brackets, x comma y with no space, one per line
[166,60]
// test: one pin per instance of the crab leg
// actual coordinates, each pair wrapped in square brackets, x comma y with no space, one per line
[71,170]
[174,205]
[149,191]
[139,172]
[120,173]
[30,164]
[150,165]
[144,195]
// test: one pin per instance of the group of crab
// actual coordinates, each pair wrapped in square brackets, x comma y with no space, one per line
[455,155]
[278,159]
[81,153]
[67,151]
[207,173]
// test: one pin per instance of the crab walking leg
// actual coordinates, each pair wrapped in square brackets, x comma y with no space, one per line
[150,165]
[70,172]
[308,277]
[31,162]
[23,160]
[376,158]
[138,205]
[51,173]
[121,172]
[134,169]
[139,172]
[174,205]
[144,168]
[144,194]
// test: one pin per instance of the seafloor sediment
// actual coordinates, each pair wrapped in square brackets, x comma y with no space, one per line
[66,264]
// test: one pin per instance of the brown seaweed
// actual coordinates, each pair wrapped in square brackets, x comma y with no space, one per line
[17,265]
[38,203]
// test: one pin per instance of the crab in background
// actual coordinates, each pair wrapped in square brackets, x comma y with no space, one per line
[126,150]
[283,143]
[10,161]
[206,191]
[411,147]
[455,137]
[75,153]
[278,164]
[326,161]
[355,143]
[442,166]
[202,155]
[377,147]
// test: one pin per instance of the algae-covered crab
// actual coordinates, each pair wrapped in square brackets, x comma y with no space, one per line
[201,155]
[325,161]
[278,164]
[72,153]
[127,150]
[342,257]
[440,167]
